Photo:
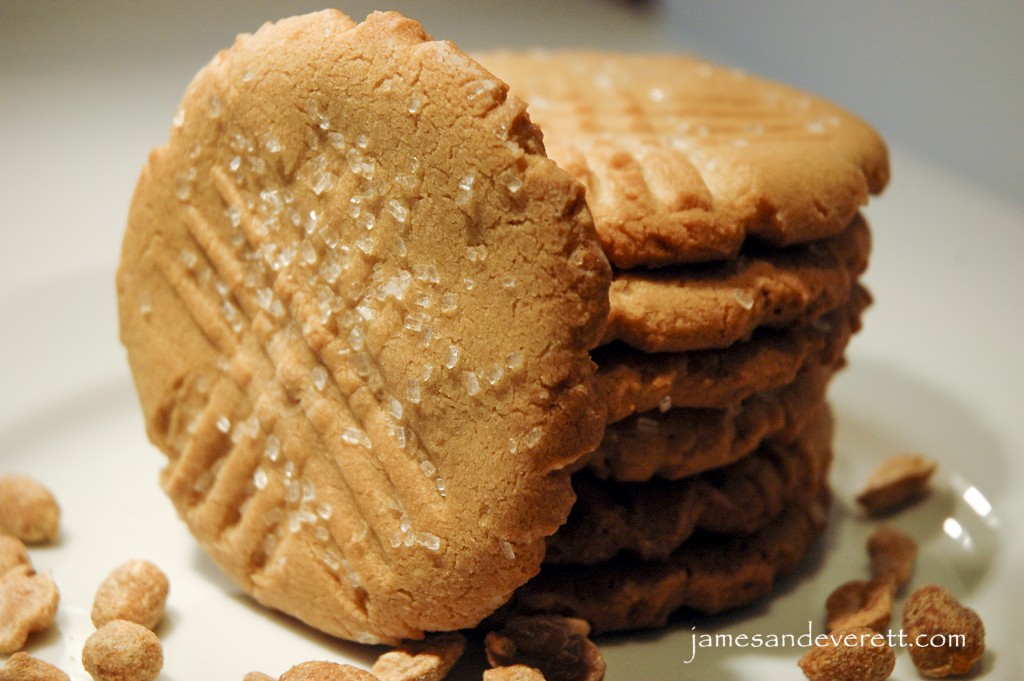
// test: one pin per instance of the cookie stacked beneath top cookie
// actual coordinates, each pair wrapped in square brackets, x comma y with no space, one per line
[728,206]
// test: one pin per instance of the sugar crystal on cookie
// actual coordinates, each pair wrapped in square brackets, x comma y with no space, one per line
[471,382]
[533,437]
[259,479]
[465,192]
[451,357]
[494,374]
[512,182]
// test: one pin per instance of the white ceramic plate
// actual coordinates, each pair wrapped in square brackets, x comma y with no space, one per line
[937,370]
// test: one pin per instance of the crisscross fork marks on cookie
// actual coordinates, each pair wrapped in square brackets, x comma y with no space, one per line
[684,160]
[212,247]
[325,350]
[382,430]
[323,380]
[381,228]
[258,522]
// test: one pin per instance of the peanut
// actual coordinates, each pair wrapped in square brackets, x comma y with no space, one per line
[428,660]
[893,554]
[932,619]
[556,646]
[28,603]
[135,591]
[12,554]
[857,654]
[24,667]
[28,510]
[897,482]
[326,671]
[860,603]
[123,651]
[516,672]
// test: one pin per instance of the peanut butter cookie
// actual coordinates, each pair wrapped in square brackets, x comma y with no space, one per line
[358,301]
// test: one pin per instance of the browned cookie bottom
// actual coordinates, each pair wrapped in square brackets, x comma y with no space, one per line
[709,573]
[650,520]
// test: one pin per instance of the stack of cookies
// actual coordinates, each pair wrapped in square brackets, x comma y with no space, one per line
[362,308]
[728,207]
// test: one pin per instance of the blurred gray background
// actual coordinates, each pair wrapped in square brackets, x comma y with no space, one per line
[86,88]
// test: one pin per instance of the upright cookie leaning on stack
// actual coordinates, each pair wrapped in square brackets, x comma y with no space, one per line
[729,208]
[358,302]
